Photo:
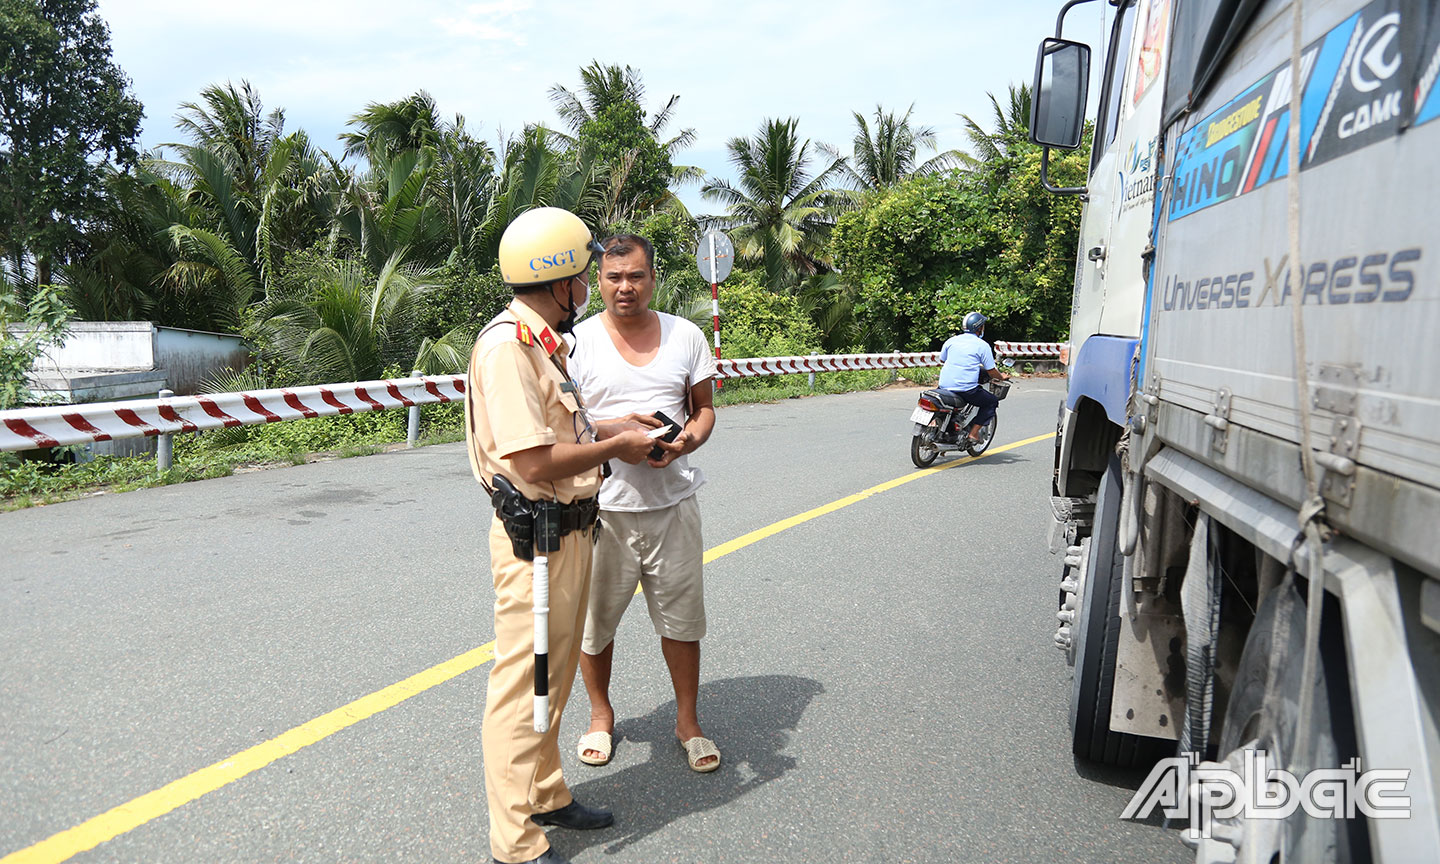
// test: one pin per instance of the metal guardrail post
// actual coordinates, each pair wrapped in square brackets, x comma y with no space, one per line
[412,427]
[812,374]
[165,445]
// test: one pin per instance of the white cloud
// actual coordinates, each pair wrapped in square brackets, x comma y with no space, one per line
[503,7]
[480,30]
[479,21]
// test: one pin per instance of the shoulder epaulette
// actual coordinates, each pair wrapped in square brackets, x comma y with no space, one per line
[522,333]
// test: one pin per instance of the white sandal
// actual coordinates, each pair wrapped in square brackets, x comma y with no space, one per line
[599,741]
[698,748]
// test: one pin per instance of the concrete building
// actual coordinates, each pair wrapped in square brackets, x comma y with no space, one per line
[106,361]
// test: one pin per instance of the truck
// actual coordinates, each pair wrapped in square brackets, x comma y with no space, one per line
[1246,482]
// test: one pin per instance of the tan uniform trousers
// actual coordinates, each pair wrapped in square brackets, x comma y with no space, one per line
[522,767]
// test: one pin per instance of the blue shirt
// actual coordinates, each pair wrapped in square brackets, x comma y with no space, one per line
[964,357]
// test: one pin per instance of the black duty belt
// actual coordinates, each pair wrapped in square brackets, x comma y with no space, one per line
[537,526]
[579,515]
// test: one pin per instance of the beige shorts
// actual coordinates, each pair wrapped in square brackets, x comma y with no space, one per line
[661,550]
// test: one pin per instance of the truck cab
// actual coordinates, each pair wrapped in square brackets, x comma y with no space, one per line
[1247,463]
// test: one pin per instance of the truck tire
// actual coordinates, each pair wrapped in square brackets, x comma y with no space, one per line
[1272,661]
[1097,637]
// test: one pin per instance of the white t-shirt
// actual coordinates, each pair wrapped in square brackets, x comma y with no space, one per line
[612,388]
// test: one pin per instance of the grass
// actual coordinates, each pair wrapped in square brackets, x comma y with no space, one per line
[30,483]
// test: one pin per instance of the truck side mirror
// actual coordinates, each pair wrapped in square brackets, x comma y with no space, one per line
[1062,83]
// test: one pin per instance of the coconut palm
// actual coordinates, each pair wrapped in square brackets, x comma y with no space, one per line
[390,128]
[536,173]
[230,123]
[888,154]
[252,193]
[391,212]
[1012,128]
[462,186]
[350,329]
[780,215]
[610,101]
[604,86]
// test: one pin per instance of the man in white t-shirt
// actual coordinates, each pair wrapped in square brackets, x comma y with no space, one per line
[631,359]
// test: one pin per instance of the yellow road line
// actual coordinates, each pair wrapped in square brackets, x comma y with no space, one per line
[775,528]
[152,805]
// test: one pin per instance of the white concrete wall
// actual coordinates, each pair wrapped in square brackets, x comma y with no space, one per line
[111,345]
[95,351]
[187,356]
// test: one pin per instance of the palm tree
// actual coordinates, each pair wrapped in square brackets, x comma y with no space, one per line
[232,126]
[1012,129]
[390,128]
[779,214]
[251,194]
[350,329]
[535,173]
[832,303]
[462,187]
[889,154]
[607,91]
[391,212]
[604,86]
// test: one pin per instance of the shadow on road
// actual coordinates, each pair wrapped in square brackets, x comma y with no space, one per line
[1123,778]
[748,718]
[1120,778]
[1004,458]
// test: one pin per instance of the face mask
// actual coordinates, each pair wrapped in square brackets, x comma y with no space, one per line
[576,311]
[584,304]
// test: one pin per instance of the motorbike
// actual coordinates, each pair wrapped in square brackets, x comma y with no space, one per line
[942,419]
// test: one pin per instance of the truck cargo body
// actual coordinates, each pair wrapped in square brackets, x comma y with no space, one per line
[1180,490]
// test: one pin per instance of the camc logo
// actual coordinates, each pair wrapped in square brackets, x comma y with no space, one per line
[1377,57]
[1202,792]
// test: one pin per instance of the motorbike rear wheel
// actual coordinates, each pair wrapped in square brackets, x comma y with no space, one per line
[923,450]
[987,434]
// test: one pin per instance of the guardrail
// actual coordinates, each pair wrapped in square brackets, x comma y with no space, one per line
[59,425]
[1029,350]
[754,367]
[55,426]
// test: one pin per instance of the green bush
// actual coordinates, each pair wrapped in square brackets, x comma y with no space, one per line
[462,297]
[43,321]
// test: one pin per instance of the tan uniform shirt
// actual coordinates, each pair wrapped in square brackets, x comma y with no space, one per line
[518,398]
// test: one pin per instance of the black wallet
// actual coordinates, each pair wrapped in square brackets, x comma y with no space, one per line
[656,452]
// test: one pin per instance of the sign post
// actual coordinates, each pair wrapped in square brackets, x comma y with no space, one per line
[715,258]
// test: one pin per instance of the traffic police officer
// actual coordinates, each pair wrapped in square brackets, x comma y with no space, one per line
[525,423]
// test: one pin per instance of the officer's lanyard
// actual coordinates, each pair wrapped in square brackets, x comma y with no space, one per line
[569,386]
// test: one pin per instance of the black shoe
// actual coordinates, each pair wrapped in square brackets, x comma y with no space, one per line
[549,856]
[576,816]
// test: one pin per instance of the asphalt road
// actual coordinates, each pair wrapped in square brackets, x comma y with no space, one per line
[879,678]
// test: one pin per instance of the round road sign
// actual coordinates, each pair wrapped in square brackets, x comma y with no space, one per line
[715,265]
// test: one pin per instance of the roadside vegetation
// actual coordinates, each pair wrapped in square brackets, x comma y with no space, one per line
[377,252]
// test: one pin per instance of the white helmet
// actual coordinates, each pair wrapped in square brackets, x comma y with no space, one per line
[543,245]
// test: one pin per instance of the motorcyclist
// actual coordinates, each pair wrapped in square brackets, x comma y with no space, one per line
[968,363]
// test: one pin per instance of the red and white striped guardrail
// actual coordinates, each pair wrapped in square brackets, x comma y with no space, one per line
[55,426]
[1029,350]
[28,428]
[754,367]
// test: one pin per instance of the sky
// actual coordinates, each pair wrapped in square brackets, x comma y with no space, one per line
[733,64]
